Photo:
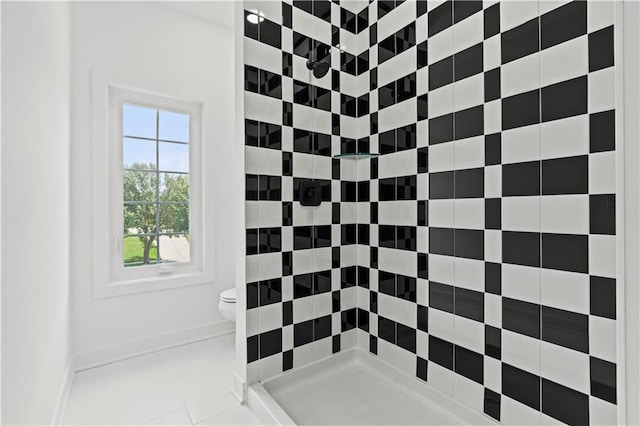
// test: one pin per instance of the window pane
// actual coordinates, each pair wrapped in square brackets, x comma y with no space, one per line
[174,126]
[139,121]
[139,219]
[175,248]
[140,185]
[174,187]
[134,251]
[174,218]
[138,151]
[174,157]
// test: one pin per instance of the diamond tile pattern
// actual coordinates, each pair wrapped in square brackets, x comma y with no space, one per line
[475,243]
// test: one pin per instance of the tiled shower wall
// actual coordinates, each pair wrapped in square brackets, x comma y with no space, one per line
[478,252]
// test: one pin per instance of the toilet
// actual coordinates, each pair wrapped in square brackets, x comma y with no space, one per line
[227,305]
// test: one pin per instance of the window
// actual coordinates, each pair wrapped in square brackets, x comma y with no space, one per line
[148,194]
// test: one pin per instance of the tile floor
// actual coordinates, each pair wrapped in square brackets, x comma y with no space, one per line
[187,385]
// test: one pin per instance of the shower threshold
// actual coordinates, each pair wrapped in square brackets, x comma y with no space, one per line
[356,388]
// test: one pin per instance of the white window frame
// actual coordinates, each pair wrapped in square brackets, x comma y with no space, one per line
[111,277]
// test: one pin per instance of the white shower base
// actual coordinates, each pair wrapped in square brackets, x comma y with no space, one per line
[355,388]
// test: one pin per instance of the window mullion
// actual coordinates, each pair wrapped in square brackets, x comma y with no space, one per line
[158,185]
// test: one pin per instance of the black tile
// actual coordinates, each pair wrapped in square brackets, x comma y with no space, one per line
[469,304]
[348,191]
[387,189]
[441,185]
[492,403]
[362,20]
[493,278]
[521,248]
[335,213]
[440,18]
[421,52]
[423,266]
[322,144]
[464,8]
[373,123]
[406,87]
[603,379]
[270,84]
[287,14]
[335,301]
[469,364]
[386,49]
[373,302]
[493,149]
[385,6]
[270,343]
[406,188]
[363,320]
[441,296]
[348,276]
[347,20]
[348,234]
[252,187]
[348,145]
[287,313]
[565,176]
[492,342]
[387,142]
[521,110]
[252,349]
[373,344]
[520,41]
[469,61]
[406,238]
[406,137]
[387,236]
[363,232]
[322,282]
[252,295]
[287,164]
[521,179]
[564,404]
[492,21]
[269,240]
[387,283]
[601,49]
[387,95]
[441,352]
[423,107]
[363,106]
[363,274]
[322,99]
[335,257]
[287,356]
[441,241]
[522,386]
[302,285]
[302,45]
[322,9]
[521,317]
[373,34]
[421,367]
[270,136]
[252,241]
[441,129]
[251,79]
[469,243]
[302,237]
[602,131]
[423,318]
[270,188]
[405,38]
[602,214]
[565,99]
[492,85]
[492,213]
[563,24]
[469,122]
[251,133]
[406,288]
[564,328]
[602,297]
[406,337]
[250,29]
[441,73]
[335,80]
[271,33]
[322,327]
[287,114]
[306,5]
[386,329]
[270,291]
[373,213]
[348,63]
[469,183]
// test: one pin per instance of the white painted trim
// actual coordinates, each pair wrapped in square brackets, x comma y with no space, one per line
[65,391]
[119,352]
[239,388]
[627,56]
[265,407]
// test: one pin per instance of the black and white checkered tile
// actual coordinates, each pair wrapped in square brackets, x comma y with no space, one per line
[478,252]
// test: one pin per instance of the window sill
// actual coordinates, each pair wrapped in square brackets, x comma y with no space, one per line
[145,285]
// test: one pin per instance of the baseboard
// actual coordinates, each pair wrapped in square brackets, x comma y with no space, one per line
[65,390]
[109,354]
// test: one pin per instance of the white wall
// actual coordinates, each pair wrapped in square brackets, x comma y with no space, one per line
[35,216]
[145,39]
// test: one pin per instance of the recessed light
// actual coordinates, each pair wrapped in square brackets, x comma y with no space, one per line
[255,17]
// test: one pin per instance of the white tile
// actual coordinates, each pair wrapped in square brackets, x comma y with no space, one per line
[177,418]
[519,76]
[204,405]
[91,396]
[469,334]
[602,90]
[406,313]
[565,366]
[565,214]
[441,157]
[269,214]
[440,46]
[469,153]
[441,269]
[469,213]
[492,181]
[521,351]
[602,338]
[270,317]
[467,391]
[406,212]
[270,265]
[492,117]
[442,213]
[302,309]
[236,416]
[262,55]
[493,310]
[493,246]
[491,52]
[521,144]
[469,92]
[440,378]
[493,374]
[565,138]
[521,282]
[600,14]
[521,214]
[515,13]
[269,367]
[516,413]
[565,290]
[441,325]
[441,101]
[602,173]
[564,61]
[602,412]
[468,32]
[469,274]
[602,255]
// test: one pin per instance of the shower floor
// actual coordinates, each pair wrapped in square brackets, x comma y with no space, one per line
[354,388]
